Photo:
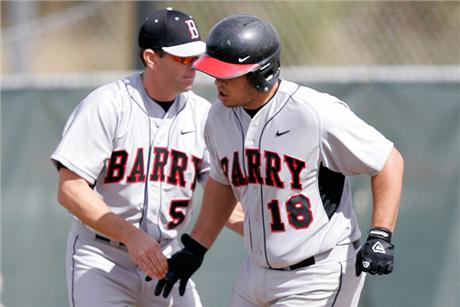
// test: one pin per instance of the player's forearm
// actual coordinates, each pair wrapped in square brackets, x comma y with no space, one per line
[76,196]
[386,190]
[218,204]
[236,220]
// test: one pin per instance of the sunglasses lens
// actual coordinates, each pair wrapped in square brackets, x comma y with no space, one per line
[186,60]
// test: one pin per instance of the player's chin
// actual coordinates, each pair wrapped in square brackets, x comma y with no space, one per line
[226,101]
[187,88]
[187,84]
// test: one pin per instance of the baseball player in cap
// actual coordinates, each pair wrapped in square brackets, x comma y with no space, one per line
[286,152]
[130,156]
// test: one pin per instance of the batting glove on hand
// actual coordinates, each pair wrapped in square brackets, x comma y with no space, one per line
[182,265]
[376,255]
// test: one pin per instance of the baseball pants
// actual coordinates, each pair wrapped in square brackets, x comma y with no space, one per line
[103,275]
[330,282]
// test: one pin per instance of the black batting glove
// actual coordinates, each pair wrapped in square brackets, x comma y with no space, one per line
[376,255]
[182,265]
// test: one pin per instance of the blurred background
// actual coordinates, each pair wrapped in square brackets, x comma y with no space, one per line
[397,64]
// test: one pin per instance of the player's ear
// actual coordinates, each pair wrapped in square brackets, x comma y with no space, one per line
[150,57]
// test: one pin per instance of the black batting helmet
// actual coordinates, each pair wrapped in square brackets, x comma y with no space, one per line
[239,45]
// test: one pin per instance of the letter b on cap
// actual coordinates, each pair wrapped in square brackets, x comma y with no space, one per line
[192,29]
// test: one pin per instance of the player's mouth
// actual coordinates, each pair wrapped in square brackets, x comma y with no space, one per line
[189,77]
[221,95]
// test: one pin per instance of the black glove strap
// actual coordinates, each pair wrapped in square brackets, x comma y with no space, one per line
[193,247]
[381,233]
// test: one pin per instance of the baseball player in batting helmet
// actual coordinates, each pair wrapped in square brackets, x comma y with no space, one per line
[286,152]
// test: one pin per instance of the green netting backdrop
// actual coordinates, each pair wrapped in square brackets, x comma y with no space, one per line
[421,118]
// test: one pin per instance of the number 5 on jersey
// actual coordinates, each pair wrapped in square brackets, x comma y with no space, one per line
[178,210]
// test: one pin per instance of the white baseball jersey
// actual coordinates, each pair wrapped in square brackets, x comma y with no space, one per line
[288,166]
[143,161]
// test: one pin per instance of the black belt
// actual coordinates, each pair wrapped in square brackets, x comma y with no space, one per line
[301,264]
[309,261]
[107,240]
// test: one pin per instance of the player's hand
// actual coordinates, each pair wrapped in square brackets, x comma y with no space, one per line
[182,265]
[376,255]
[147,255]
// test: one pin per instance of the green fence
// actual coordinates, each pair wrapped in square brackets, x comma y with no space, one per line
[421,118]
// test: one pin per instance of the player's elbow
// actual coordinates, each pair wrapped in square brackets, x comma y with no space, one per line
[398,160]
[237,227]
[70,187]
[394,164]
[63,194]
[236,220]
[392,172]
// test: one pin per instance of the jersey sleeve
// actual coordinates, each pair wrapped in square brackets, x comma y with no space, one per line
[88,135]
[216,171]
[350,145]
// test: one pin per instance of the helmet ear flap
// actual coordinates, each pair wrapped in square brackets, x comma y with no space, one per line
[265,77]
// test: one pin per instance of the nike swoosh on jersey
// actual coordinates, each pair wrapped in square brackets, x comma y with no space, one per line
[182,132]
[278,133]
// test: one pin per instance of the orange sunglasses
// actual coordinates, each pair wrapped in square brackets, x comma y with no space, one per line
[184,60]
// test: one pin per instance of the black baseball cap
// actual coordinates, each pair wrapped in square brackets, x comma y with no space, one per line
[173,32]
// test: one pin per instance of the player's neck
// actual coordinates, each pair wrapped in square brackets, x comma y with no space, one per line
[157,93]
[262,98]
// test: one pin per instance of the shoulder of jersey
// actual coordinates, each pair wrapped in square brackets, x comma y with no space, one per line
[197,101]
[106,94]
[309,96]
[218,107]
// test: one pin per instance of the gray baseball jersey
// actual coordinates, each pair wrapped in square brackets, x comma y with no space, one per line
[288,165]
[143,161]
